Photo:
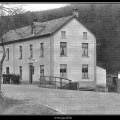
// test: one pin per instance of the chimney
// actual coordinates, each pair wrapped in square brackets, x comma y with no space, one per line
[75,12]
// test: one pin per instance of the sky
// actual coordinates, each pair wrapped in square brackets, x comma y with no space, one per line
[39,6]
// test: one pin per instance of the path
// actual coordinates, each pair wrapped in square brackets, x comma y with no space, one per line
[67,101]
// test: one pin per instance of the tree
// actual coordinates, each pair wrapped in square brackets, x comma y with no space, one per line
[6,23]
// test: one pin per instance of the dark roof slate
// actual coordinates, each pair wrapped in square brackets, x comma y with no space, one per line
[42,28]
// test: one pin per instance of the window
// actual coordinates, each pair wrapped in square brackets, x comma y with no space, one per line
[63,48]
[7,70]
[63,70]
[34,31]
[63,34]
[41,49]
[31,51]
[84,35]
[84,49]
[41,70]
[20,67]
[7,54]
[33,69]
[20,49]
[84,71]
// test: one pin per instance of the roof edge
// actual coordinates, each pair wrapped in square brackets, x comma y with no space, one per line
[68,21]
[62,25]
[25,39]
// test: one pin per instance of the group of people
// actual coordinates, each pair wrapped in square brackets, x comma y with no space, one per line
[11,78]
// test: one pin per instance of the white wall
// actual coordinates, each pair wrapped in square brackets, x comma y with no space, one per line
[14,61]
[101,76]
[74,60]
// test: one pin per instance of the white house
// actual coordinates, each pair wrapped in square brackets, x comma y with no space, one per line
[62,47]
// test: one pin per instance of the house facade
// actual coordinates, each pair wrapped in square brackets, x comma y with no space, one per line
[61,47]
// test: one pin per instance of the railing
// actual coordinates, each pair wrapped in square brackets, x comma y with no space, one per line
[54,82]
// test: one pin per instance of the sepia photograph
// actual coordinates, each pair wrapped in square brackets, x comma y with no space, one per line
[59,58]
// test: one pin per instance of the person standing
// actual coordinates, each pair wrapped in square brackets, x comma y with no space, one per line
[12,78]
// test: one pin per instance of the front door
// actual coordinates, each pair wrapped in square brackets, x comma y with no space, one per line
[7,70]
[30,73]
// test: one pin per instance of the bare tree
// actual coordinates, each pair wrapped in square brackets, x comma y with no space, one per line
[6,21]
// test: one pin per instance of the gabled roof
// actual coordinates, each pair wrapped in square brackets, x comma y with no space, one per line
[42,28]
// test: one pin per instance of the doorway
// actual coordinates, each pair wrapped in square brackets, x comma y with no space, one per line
[7,70]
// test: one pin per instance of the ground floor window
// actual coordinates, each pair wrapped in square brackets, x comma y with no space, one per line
[7,70]
[84,71]
[41,70]
[63,70]
[20,67]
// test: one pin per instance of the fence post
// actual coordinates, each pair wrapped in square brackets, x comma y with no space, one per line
[49,80]
[55,83]
[69,84]
[40,80]
[60,83]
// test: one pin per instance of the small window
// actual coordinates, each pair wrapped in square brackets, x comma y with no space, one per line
[63,34]
[84,35]
[32,69]
[20,49]
[63,70]
[41,49]
[63,48]
[7,54]
[85,49]
[84,71]
[31,51]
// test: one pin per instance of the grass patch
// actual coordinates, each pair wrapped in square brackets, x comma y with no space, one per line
[9,106]
[30,108]
[7,103]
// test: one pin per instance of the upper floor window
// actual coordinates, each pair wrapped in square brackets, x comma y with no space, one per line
[84,35]
[31,51]
[41,49]
[84,71]
[63,48]
[63,34]
[20,49]
[84,49]
[7,54]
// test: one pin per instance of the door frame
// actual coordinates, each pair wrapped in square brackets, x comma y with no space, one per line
[30,73]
